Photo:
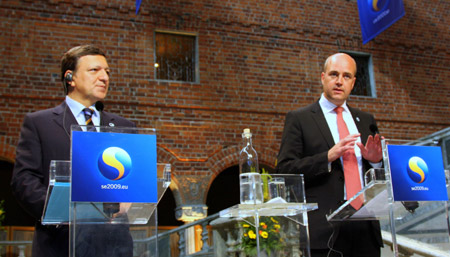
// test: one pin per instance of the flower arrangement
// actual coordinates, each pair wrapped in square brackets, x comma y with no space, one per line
[270,238]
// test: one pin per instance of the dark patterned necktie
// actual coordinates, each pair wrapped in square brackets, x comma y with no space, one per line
[88,116]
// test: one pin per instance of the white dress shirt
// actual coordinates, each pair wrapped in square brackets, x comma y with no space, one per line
[331,118]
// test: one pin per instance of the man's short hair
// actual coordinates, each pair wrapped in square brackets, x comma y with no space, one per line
[69,61]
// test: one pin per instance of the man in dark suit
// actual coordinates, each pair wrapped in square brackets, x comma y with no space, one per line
[45,136]
[311,145]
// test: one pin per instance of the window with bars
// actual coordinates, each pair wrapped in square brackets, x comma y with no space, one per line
[365,81]
[176,56]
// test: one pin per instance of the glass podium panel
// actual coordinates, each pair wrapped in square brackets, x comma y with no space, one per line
[103,228]
[57,204]
[376,198]
[420,226]
[268,209]
[284,215]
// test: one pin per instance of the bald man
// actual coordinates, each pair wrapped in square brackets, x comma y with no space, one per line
[311,145]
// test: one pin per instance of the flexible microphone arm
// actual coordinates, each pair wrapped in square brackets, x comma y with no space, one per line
[108,208]
[99,106]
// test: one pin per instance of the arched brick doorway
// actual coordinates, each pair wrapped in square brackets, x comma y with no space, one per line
[15,215]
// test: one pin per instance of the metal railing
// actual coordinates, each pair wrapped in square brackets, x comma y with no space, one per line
[407,247]
[206,249]
[21,245]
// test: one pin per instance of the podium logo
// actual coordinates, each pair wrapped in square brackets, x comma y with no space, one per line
[378,5]
[114,163]
[417,169]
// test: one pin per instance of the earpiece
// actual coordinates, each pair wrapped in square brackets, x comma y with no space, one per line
[68,77]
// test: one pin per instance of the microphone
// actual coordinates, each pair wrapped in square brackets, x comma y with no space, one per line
[111,208]
[374,129]
[410,206]
[99,106]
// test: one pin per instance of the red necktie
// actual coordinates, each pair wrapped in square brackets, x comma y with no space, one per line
[351,171]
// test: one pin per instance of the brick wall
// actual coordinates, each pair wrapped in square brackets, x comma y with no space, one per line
[258,60]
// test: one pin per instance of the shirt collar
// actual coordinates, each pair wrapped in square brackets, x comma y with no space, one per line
[77,107]
[328,106]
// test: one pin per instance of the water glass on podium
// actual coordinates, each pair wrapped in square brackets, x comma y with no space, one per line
[277,188]
[250,188]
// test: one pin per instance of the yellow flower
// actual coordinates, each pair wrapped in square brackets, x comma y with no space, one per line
[1,212]
[269,232]
[251,234]
[264,234]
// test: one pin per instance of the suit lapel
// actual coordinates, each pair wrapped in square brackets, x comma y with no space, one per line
[106,120]
[360,124]
[321,123]
[64,117]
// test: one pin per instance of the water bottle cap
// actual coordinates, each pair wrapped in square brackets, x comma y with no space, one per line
[246,133]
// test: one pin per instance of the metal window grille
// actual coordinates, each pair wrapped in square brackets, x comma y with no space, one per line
[175,56]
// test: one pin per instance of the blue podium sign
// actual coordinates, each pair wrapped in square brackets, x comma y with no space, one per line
[417,173]
[113,167]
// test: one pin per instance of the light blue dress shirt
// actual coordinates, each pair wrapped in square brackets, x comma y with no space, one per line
[77,110]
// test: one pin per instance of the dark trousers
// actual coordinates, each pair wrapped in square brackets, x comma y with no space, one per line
[104,240]
[355,239]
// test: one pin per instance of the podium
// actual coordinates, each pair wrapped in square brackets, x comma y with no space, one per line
[409,199]
[283,224]
[100,194]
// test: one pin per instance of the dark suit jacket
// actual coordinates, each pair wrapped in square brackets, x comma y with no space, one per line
[304,149]
[45,136]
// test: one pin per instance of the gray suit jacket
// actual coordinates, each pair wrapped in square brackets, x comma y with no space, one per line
[45,136]
[304,150]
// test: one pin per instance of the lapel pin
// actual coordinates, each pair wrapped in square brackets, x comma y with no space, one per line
[111,124]
[357,119]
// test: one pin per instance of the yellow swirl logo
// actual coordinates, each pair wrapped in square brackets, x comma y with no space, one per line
[417,169]
[378,5]
[114,163]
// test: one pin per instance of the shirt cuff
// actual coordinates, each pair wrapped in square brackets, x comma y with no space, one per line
[376,164]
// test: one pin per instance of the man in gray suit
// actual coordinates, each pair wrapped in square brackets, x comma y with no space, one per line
[311,145]
[45,136]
